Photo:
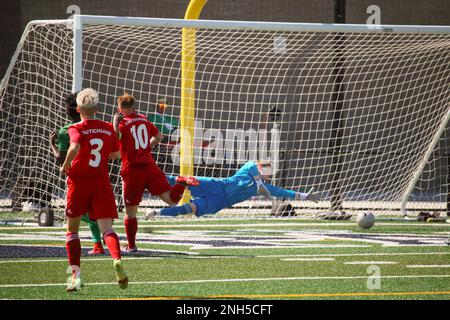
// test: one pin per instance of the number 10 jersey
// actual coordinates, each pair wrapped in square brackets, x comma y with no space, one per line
[136,132]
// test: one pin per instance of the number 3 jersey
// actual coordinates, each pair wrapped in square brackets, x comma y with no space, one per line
[97,141]
[136,132]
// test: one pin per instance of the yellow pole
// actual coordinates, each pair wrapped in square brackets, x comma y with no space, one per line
[187,116]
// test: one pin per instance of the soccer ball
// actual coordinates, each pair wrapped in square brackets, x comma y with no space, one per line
[365,220]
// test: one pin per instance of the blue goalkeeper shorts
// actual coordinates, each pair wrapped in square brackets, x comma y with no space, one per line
[209,196]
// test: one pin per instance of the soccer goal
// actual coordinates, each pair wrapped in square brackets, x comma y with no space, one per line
[358,112]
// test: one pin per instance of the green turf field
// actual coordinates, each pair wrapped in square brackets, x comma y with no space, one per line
[239,259]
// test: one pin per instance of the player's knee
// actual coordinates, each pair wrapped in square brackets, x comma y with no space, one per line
[131,212]
[73,224]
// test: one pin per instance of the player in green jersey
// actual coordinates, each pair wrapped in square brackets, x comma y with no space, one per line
[59,144]
[163,121]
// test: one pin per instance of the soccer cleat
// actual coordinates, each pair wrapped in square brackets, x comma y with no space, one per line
[97,249]
[188,181]
[127,250]
[74,283]
[150,214]
[122,279]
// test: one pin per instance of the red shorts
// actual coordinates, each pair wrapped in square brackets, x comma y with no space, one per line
[90,194]
[137,178]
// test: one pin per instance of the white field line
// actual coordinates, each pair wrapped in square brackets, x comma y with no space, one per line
[414,276]
[370,262]
[300,246]
[106,258]
[353,254]
[277,224]
[194,256]
[308,259]
[428,266]
[59,246]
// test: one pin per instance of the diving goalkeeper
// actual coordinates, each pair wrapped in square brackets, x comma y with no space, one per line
[212,194]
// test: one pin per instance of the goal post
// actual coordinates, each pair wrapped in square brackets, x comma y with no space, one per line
[187,113]
[394,105]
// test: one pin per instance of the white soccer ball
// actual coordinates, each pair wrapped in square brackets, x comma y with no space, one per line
[365,220]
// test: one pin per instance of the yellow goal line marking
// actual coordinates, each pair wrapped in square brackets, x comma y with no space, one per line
[294,295]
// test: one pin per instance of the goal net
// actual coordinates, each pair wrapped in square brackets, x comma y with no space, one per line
[359,114]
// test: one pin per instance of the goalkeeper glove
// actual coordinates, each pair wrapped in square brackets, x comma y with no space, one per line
[262,189]
[311,196]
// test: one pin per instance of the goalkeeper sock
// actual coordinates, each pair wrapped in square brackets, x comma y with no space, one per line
[73,247]
[113,244]
[175,211]
[131,227]
[93,226]
[176,193]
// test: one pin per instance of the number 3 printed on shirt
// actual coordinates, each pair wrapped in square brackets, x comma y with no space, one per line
[96,152]
[140,136]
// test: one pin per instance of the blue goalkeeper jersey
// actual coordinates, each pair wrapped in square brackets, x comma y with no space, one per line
[242,185]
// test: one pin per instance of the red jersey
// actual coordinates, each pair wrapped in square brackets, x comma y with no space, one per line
[136,132]
[97,141]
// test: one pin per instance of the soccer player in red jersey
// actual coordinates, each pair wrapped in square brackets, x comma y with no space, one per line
[139,170]
[92,144]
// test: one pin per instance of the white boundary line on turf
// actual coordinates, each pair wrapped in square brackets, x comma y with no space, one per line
[428,266]
[106,258]
[286,256]
[353,254]
[277,224]
[369,262]
[308,259]
[414,276]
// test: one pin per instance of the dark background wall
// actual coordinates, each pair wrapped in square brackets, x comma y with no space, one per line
[15,14]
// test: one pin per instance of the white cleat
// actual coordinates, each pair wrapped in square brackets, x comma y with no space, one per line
[150,214]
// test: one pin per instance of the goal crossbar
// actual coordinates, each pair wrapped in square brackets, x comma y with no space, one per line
[259,25]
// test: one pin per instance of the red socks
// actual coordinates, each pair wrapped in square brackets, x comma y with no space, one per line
[73,247]
[113,244]
[131,227]
[176,193]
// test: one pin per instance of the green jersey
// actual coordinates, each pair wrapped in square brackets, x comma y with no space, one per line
[165,124]
[63,139]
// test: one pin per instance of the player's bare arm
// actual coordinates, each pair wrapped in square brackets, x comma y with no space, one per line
[156,139]
[114,155]
[54,148]
[118,117]
[71,154]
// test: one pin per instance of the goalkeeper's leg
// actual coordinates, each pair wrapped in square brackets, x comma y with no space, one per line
[96,235]
[198,206]
[205,186]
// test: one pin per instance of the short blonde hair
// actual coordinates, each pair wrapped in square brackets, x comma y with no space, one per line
[87,98]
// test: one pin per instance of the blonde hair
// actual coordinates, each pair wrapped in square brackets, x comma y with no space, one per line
[87,98]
